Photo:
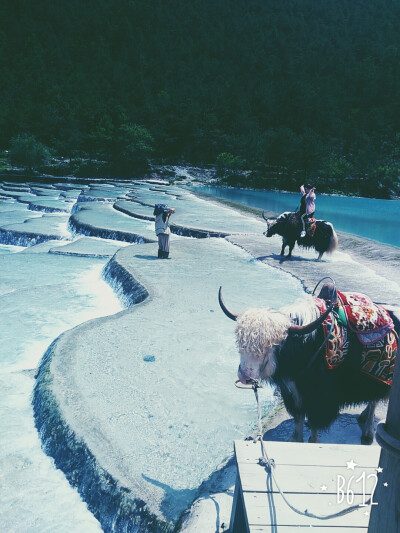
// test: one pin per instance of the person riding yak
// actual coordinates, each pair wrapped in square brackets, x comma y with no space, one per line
[307,206]
[301,227]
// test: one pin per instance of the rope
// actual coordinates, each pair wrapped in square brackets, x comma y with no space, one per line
[270,466]
[311,361]
[333,315]
[323,279]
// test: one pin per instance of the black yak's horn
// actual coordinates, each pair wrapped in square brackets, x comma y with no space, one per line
[266,219]
[304,330]
[229,314]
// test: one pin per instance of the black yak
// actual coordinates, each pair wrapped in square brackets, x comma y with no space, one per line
[322,237]
[286,347]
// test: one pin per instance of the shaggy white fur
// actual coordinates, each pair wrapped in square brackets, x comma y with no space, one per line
[273,221]
[302,312]
[259,330]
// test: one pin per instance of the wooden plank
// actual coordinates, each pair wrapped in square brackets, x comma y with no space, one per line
[304,529]
[295,453]
[238,522]
[306,479]
[301,471]
[236,496]
[262,512]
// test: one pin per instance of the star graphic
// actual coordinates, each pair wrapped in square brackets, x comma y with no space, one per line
[351,464]
[323,488]
[366,513]
[379,469]
[386,484]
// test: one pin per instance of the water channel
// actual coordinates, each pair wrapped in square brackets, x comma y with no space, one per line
[366,217]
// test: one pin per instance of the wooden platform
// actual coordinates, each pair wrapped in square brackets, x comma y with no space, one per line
[309,476]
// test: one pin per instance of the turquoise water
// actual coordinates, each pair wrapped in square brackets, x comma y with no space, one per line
[41,295]
[366,217]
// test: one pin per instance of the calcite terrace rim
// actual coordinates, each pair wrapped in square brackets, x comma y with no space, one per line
[82,228]
[184,231]
[23,238]
[110,502]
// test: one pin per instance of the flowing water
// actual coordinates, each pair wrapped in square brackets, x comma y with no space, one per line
[41,296]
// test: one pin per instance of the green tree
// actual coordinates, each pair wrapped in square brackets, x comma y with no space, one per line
[133,147]
[100,139]
[229,167]
[337,167]
[228,161]
[26,151]
[385,181]
[280,84]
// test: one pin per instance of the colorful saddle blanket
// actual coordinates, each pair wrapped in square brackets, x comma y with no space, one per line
[378,354]
[310,224]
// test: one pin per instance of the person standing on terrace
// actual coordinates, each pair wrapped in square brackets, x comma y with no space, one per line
[162,214]
[307,205]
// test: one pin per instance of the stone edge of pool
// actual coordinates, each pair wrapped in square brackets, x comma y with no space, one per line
[110,502]
[26,238]
[76,226]
[184,231]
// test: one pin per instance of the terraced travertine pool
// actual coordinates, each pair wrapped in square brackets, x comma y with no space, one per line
[189,394]
[147,390]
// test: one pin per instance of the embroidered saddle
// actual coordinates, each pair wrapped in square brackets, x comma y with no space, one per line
[368,320]
[374,328]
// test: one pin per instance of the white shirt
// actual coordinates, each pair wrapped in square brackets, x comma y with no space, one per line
[161,226]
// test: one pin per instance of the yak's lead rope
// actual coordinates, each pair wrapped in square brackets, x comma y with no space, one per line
[270,466]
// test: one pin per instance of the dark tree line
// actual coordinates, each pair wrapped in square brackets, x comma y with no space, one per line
[286,88]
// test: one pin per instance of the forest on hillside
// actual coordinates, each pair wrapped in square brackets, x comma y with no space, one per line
[283,88]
